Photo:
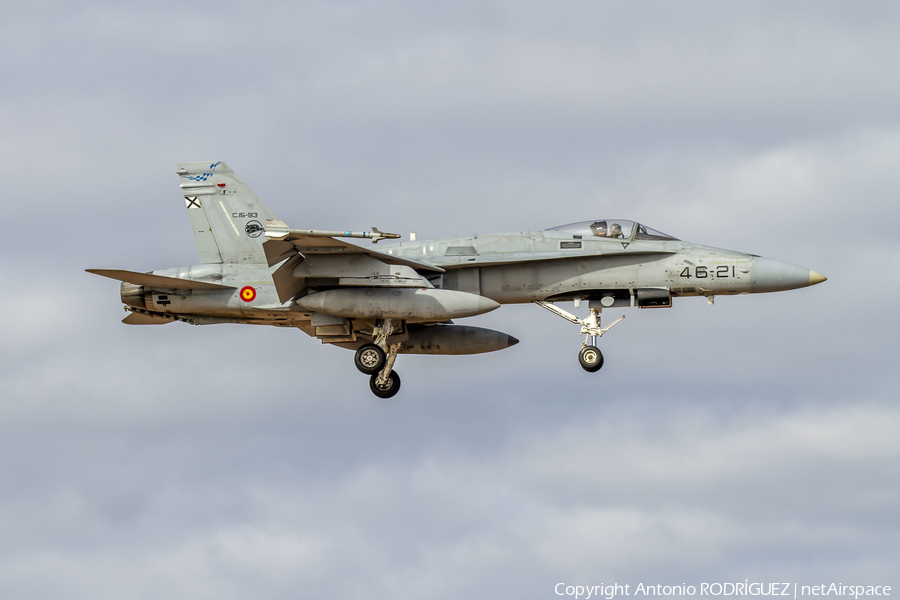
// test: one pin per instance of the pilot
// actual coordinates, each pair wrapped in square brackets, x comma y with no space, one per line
[598,228]
[615,231]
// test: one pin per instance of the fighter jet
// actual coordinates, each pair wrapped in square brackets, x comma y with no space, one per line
[402,298]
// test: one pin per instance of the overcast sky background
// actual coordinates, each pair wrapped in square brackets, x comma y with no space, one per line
[755,439]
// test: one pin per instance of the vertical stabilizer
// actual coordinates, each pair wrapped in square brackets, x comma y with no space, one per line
[227,218]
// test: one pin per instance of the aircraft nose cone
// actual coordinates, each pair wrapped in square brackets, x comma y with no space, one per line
[511,341]
[770,275]
[815,278]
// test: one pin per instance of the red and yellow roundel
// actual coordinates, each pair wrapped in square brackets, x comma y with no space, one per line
[248,294]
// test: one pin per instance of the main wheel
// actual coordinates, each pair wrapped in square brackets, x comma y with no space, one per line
[369,359]
[388,389]
[591,359]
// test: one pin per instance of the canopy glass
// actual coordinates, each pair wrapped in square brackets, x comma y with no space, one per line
[614,229]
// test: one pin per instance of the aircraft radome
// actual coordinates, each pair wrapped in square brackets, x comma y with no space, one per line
[402,298]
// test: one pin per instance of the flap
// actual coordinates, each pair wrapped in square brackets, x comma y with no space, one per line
[286,284]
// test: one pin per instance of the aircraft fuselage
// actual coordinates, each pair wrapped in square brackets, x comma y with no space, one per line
[400,297]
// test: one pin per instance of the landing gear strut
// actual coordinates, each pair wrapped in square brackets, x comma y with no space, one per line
[377,360]
[590,357]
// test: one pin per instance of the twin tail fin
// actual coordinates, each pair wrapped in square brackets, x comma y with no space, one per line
[227,218]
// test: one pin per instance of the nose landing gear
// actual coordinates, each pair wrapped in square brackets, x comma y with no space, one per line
[590,357]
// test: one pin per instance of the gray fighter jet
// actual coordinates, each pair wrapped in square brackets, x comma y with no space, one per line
[402,298]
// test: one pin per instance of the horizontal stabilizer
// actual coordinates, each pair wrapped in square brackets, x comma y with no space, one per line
[157,281]
[139,319]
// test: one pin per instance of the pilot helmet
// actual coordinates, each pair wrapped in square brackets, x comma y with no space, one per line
[615,230]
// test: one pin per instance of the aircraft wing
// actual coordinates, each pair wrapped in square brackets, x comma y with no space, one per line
[157,281]
[294,243]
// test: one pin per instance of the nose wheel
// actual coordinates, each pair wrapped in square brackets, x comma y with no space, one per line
[590,357]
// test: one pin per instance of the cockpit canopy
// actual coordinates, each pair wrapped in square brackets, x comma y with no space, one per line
[614,229]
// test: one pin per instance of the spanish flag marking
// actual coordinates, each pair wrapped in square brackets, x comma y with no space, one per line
[248,294]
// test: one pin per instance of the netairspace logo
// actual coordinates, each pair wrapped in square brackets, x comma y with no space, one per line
[745,588]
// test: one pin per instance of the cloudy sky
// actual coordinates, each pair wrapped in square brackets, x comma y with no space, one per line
[756,439]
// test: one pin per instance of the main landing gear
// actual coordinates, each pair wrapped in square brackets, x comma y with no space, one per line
[590,357]
[369,359]
[377,361]
[386,389]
